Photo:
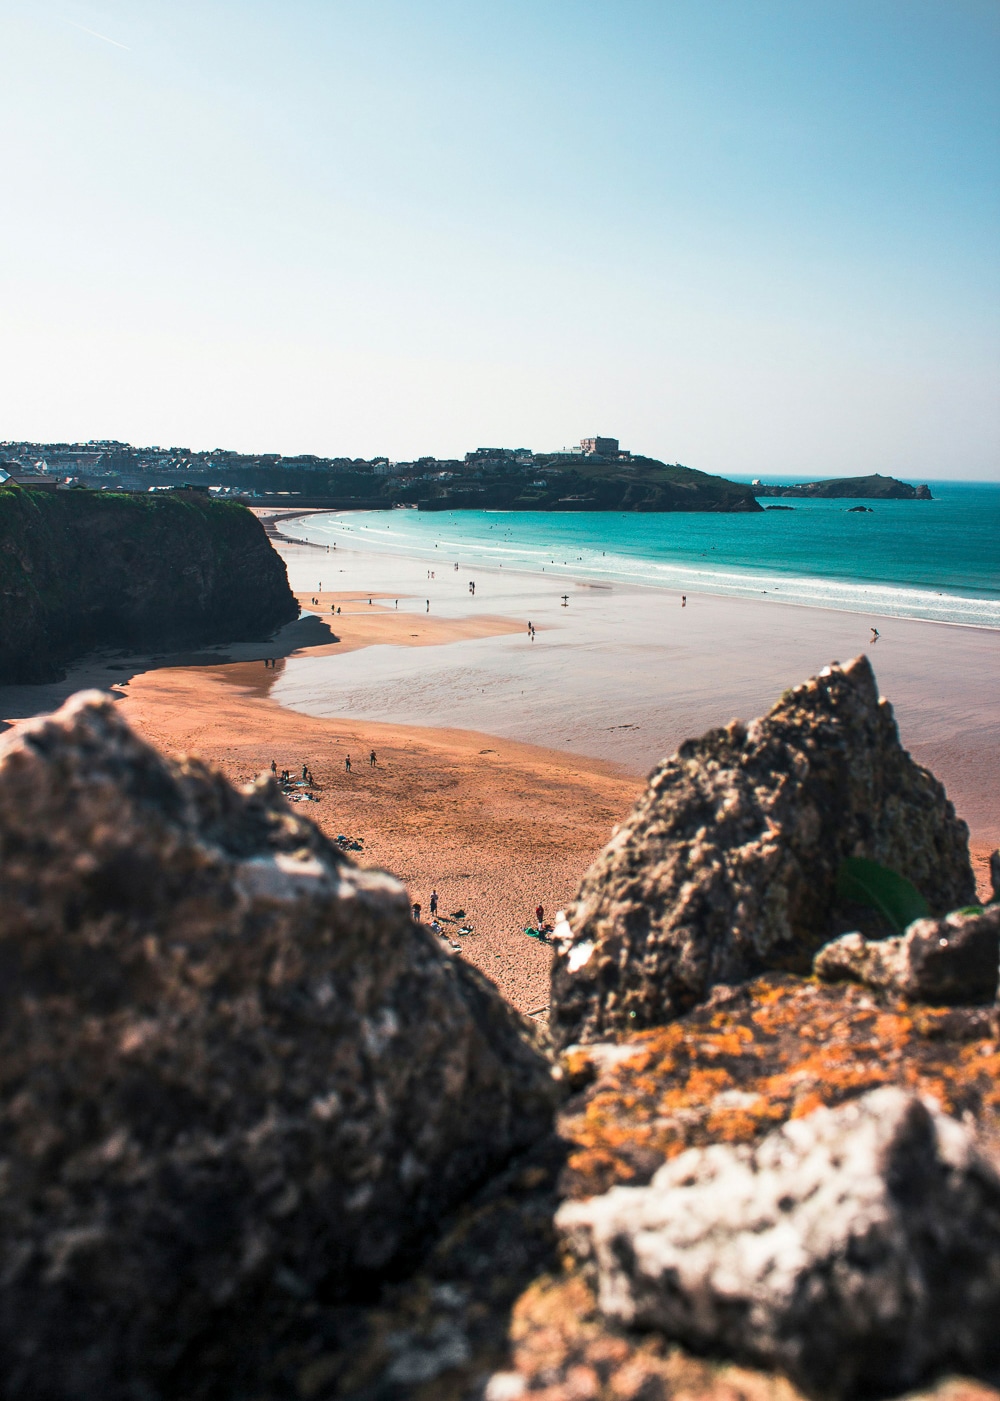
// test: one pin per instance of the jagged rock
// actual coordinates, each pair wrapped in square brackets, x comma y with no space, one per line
[856,1249]
[230,1064]
[728,864]
[944,961]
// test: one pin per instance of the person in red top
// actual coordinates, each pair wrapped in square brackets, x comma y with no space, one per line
[540,915]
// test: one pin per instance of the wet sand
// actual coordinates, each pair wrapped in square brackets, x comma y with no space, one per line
[626,673]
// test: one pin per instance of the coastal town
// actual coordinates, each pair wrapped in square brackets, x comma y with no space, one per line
[596,474]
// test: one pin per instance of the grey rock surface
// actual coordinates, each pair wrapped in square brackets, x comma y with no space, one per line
[727,866]
[856,1249]
[946,961]
[230,1064]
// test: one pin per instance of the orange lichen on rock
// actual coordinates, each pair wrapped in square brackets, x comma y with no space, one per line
[774,1049]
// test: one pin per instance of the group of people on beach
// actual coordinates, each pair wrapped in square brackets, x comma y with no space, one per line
[286,774]
[372,761]
[417,907]
[269,662]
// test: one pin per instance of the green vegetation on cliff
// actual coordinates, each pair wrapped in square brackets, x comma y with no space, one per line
[577,482]
[80,570]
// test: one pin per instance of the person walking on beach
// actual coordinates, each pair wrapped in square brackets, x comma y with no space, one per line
[274,769]
[371,759]
[434,903]
[684,600]
[428,605]
[874,636]
[347,763]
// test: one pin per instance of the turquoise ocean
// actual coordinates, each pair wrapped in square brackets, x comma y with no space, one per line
[938,560]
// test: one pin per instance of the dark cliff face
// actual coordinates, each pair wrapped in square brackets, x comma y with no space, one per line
[79,571]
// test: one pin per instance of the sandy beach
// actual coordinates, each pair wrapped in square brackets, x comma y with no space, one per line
[502,762]
[494,826]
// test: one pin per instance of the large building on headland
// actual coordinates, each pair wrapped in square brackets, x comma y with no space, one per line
[600,447]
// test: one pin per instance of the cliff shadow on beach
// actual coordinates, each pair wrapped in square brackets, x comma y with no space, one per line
[109,670]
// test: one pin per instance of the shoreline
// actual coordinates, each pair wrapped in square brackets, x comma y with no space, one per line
[872,597]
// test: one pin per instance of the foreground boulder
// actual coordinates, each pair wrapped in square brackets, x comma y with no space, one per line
[230,1065]
[946,961]
[728,864]
[856,1249]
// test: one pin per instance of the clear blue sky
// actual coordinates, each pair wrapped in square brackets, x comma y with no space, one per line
[747,235]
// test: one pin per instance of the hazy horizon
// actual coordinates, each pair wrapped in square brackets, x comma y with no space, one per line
[758,239]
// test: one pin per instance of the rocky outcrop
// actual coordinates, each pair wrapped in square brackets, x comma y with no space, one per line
[944,961]
[728,864]
[80,570]
[856,1249]
[232,1071]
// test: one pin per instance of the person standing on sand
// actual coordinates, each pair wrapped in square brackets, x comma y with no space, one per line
[305,771]
[371,759]
[684,600]
[428,605]
[274,769]
[416,912]
[347,763]
[434,903]
[540,915]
